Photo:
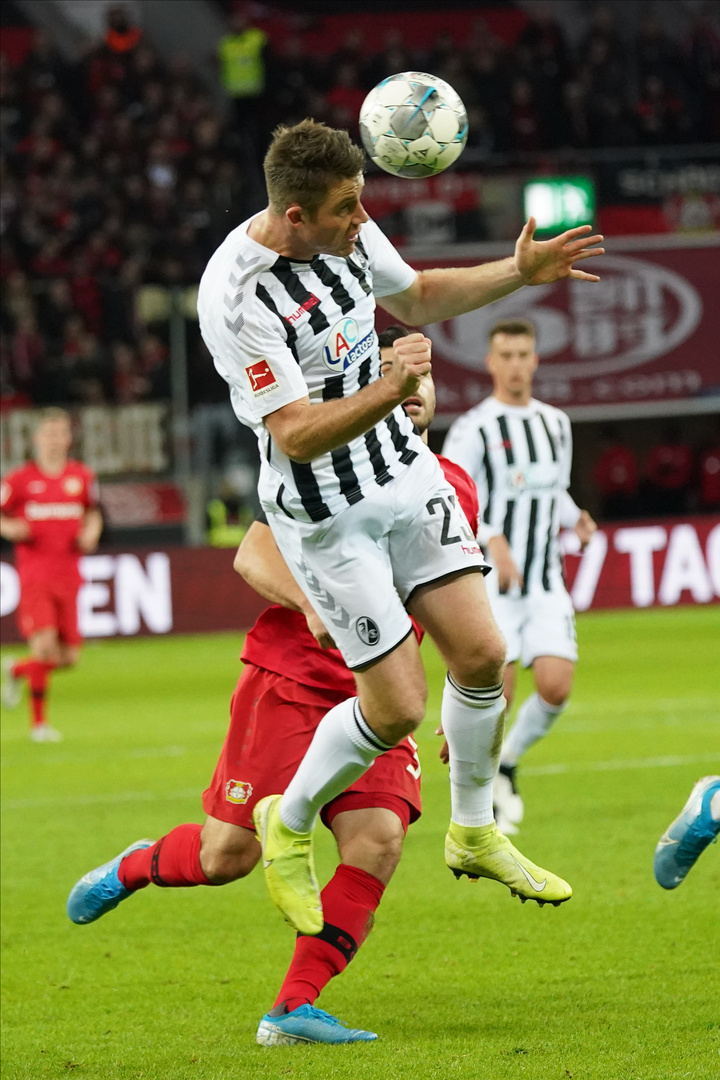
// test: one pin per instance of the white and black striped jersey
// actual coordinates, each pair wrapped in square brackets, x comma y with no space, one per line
[279,330]
[520,458]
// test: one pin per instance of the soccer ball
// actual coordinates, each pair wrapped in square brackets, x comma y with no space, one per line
[413,124]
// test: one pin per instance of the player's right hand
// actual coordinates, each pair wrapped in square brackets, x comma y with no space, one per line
[411,360]
[506,568]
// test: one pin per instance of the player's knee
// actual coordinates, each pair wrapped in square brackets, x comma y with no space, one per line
[482,663]
[556,693]
[221,865]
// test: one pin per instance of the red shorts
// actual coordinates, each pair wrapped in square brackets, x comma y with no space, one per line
[272,722]
[46,604]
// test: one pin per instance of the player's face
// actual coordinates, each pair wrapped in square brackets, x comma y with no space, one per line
[420,406]
[336,225]
[511,360]
[53,440]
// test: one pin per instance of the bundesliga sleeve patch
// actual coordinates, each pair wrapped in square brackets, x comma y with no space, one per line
[262,378]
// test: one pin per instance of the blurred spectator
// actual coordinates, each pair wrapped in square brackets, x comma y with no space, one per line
[661,114]
[668,473]
[345,99]
[710,478]
[616,476]
[242,58]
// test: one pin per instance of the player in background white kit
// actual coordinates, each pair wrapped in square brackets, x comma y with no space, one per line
[356,502]
[519,452]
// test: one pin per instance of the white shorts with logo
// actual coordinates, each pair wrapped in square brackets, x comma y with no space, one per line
[360,567]
[539,624]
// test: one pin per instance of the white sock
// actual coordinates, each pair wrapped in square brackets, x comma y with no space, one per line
[534,719]
[473,722]
[342,749]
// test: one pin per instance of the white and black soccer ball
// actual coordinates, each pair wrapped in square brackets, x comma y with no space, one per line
[413,124]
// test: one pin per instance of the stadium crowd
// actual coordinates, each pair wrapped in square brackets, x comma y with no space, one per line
[121,170]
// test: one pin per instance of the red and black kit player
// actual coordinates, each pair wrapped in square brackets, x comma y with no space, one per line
[49,511]
[292,676]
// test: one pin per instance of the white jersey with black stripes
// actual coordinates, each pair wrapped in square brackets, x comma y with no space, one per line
[279,330]
[520,458]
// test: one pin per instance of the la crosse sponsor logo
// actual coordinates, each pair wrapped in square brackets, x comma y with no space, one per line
[262,378]
[238,791]
[342,347]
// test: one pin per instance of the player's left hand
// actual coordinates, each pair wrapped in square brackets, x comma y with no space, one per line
[444,753]
[540,262]
[584,528]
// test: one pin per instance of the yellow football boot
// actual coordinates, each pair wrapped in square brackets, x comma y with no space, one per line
[484,852]
[289,868]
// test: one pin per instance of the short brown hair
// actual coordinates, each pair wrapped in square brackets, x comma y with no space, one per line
[52,412]
[305,161]
[512,326]
[391,334]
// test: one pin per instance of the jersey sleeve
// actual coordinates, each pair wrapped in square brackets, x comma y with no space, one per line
[569,510]
[252,353]
[390,273]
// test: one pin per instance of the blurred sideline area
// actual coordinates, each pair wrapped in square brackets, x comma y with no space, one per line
[132,137]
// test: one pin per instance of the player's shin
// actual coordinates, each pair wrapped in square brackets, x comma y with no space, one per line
[349,902]
[342,749]
[173,862]
[473,723]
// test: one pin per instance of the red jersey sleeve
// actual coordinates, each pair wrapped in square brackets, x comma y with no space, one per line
[464,489]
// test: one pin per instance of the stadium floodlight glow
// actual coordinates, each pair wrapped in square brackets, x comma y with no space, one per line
[559,202]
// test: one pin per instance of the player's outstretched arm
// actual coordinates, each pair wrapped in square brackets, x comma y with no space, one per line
[304,431]
[259,562]
[439,294]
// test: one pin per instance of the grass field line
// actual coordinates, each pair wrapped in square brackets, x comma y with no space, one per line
[537,770]
[618,765]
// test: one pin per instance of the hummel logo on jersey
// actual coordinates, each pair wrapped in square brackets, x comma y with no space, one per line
[310,303]
[262,379]
[538,885]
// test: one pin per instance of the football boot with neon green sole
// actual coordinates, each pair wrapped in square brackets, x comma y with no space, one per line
[289,868]
[483,851]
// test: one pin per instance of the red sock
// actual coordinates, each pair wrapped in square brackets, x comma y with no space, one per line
[349,902]
[173,862]
[37,673]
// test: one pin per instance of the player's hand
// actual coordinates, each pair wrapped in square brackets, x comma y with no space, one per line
[444,753]
[318,630]
[16,530]
[506,568]
[540,262]
[584,528]
[411,360]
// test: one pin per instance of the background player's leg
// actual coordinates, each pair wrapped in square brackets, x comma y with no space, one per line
[370,844]
[535,717]
[44,658]
[537,714]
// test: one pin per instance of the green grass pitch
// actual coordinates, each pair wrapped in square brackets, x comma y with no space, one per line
[622,983]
